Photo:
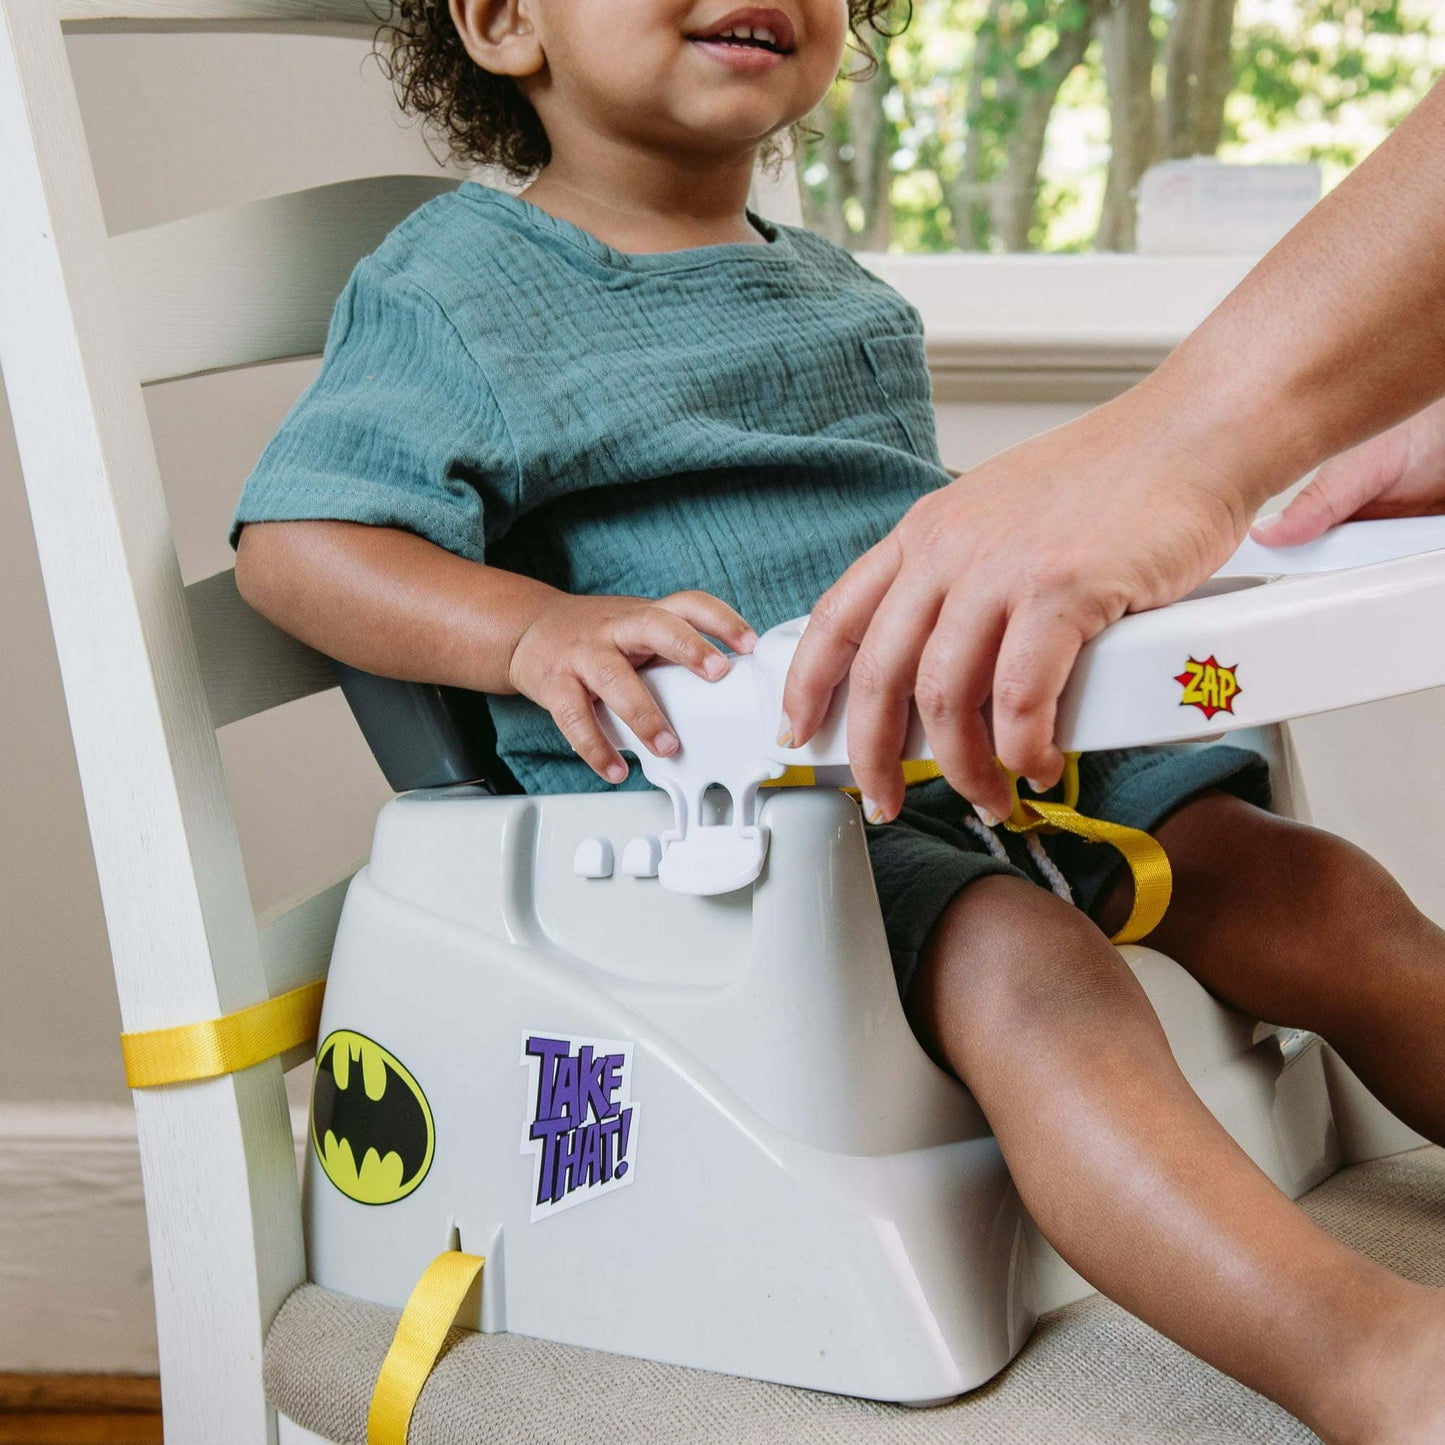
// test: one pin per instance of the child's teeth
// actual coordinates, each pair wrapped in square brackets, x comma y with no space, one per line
[759,34]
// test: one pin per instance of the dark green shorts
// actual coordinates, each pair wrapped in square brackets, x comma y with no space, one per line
[926,854]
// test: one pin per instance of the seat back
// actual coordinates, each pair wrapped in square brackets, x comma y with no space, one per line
[151,667]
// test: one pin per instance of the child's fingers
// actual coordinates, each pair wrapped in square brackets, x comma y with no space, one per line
[657,631]
[712,615]
[573,710]
[614,680]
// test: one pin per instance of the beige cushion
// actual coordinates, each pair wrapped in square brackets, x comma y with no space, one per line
[1091,1374]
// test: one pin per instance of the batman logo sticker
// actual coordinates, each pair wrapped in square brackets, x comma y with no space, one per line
[371,1125]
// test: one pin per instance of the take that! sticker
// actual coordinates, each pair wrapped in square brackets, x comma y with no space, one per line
[582,1121]
[1209,686]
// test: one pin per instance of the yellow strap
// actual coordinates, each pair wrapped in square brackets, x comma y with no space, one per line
[1071,779]
[916,770]
[420,1333]
[1147,860]
[224,1045]
[1153,879]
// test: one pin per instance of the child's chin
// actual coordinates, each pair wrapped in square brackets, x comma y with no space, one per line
[732,123]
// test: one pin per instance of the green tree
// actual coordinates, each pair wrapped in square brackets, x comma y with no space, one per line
[947,145]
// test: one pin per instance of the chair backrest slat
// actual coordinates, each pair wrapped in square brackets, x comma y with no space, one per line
[255,282]
[247,664]
[296,937]
[349,16]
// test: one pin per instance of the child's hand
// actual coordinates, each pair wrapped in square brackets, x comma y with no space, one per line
[580,648]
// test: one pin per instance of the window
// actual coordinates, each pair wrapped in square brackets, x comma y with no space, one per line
[1038,125]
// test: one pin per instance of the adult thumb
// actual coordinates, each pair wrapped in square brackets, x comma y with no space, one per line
[1316,509]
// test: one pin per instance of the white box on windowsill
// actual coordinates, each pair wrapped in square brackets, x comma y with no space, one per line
[1209,207]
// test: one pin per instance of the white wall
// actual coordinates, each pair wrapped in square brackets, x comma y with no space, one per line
[179,125]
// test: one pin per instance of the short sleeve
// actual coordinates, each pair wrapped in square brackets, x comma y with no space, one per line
[398,429]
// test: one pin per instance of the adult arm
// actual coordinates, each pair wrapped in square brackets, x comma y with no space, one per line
[977,603]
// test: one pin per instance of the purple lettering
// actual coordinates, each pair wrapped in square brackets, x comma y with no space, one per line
[581,1124]
[589,1164]
[613,1082]
[566,1174]
[548,1131]
[548,1051]
[626,1121]
[594,1082]
[607,1129]
[565,1102]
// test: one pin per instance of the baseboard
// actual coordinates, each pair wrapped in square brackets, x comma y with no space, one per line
[75,1280]
[72,1394]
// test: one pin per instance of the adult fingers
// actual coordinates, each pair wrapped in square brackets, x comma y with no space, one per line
[1340,489]
[955,676]
[1037,653]
[825,652]
[575,714]
[880,693]
[712,615]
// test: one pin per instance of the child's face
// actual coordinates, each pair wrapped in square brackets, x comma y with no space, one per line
[658,74]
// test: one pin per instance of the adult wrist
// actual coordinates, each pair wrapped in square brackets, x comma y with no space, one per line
[1247,438]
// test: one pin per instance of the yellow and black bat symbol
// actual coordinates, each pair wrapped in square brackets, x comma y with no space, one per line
[371,1125]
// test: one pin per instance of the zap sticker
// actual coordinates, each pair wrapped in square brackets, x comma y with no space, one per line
[1208,685]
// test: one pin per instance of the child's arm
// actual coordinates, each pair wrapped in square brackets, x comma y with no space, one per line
[394,604]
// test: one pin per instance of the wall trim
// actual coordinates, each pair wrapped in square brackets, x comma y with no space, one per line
[75,1280]
[1028,328]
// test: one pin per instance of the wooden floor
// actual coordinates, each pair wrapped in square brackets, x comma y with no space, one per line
[80,1410]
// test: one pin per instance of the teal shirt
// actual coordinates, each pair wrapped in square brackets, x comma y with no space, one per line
[745,419]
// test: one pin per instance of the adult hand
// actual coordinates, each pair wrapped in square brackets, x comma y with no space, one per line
[1400,473]
[978,602]
[988,588]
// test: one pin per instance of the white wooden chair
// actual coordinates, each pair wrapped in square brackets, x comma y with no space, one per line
[152,668]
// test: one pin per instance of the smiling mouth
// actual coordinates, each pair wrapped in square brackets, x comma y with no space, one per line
[750,27]
[745,38]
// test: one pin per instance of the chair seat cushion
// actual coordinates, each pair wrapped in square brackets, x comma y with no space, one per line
[1090,1375]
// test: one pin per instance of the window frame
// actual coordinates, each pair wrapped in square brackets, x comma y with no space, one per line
[1026,328]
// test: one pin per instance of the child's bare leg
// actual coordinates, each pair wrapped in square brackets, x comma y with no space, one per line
[1137,1186]
[1299,927]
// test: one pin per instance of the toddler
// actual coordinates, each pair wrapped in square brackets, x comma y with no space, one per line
[620,416]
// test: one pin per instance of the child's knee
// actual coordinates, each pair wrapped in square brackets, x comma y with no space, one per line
[1283,920]
[1243,860]
[1007,965]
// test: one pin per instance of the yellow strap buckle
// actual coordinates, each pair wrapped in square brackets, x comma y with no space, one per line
[1147,860]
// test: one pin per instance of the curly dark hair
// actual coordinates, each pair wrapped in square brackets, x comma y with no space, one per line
[484,119]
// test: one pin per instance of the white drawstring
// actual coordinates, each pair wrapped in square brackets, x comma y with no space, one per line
[1045,864]
[990,838]
[1049,868]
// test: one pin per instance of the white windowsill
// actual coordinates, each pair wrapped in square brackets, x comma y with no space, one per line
[1059,327]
